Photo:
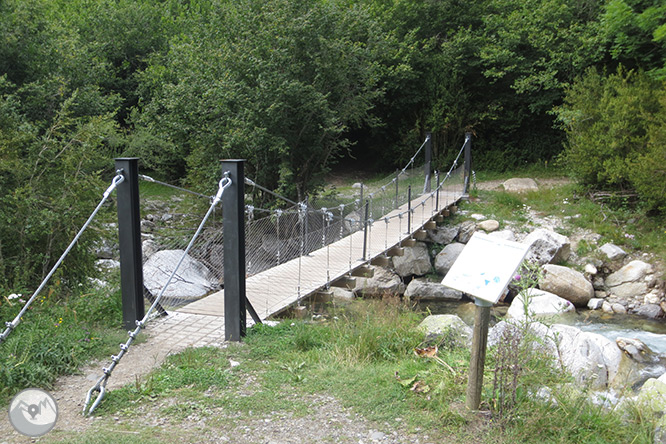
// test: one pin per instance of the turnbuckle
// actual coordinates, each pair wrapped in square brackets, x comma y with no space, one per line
[99,387]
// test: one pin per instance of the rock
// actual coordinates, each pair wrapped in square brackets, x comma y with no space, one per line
[590,269]
[652,311]
[504,235]
[547,246]
[545,343]
[342,294]
[424,290]
[443,235]
[619,308]
[592,359]
[416,261]
[148,248]
[445,259]
[630,280]
[612,252]
[435,326]
[652,298]
[567,283]
[606,307]
[192,280]
[653,395]
[478,217]
[520,185]
[638,364]
[382,283]
[488,226]
[107,264]
[541,304]
[634,271]
[595,303]
[357,185]
[466,231]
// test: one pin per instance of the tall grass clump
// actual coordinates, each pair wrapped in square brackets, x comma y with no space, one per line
[56,336]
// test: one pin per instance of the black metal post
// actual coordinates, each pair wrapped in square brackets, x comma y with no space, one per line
[428,160]
[468,161]
[437,191]
[306,222]
[365,229]
[233,209]
[129,239]
[409,209]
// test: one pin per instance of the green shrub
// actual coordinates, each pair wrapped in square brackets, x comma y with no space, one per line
[615,129]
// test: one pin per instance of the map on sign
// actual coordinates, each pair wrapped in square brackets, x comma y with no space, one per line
[485,267]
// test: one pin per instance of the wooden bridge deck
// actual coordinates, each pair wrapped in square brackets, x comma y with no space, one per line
[280,287]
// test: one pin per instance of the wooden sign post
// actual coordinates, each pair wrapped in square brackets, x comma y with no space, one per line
[483,269]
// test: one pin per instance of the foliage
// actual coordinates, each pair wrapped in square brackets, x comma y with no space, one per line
[56,337]
[615,128]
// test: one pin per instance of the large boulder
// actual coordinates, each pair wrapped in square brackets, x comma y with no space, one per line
[425,290]
[445,259]
[415,261]
[629,280]
[383,282]
[547,246]
[520,185]
[592,359]
[443,235]
[541,304]
[192,281]
[567,283]
[446,325]
[639,363]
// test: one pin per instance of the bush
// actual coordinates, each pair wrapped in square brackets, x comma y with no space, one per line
[615,130]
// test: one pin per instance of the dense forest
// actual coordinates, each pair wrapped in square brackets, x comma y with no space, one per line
[295,86]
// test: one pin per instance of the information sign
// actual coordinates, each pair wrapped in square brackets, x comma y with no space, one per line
[485,267]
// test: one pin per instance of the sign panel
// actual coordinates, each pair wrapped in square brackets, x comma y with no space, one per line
[485,267]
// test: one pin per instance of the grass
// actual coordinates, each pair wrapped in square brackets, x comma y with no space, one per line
[363,356]
[56,336]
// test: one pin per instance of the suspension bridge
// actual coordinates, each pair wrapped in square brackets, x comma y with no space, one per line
[288,254]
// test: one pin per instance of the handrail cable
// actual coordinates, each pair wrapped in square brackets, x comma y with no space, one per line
[100,386]
[175,187]
[10,326]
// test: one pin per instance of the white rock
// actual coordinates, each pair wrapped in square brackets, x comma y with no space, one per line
[192,281]
[415,261]
[612,251]
[547,246]
[595,303]
[519,185]
[634,271]
[541,304]
[488,225]
[445,259]
[590,269]
[476,216]
[504,235]
[440,324]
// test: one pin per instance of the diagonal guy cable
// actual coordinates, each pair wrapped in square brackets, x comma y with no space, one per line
[100,386]
[10,326]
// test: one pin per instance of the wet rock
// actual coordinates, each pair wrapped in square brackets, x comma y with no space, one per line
[652,311]
[547,246]
[567,283]
[595,303]
[415,261]
[445,259]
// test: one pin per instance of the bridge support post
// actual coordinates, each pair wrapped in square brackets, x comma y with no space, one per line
[365,229]
[468,162]
[409,210]
[428,160]
[129,240]
[437,191]
[233,210]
